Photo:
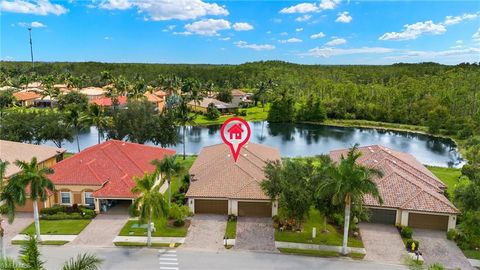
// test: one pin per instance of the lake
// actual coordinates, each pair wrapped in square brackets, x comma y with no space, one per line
[293,140]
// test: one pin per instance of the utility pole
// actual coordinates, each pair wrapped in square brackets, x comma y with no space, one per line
[31,47]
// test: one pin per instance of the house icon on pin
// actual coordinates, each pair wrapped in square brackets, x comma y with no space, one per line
[235,132]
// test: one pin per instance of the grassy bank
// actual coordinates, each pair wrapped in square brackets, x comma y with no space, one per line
[449,176]
[256,113]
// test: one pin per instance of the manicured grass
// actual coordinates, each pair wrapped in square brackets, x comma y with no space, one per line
[67,155]
[67,226]
[139,244]
[51,243]
[472,254]
[231,231]
[253,114]
[449,176]
[186,164]
[315,219]
[375,124]
[318,253]
[161,226]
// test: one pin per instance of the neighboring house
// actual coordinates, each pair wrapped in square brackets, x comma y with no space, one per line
[107,102]
[220,105]
[46,157]
[104,173]
[219,185]
[32,85]
[63,88]
[26,98]
[412,195]
[93,92]
[239,97]
[159,102]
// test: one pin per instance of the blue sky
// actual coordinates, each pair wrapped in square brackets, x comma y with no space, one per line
[232,32]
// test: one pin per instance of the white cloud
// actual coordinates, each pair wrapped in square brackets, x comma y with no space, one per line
[476,35]
[107,38]
[310,7]
[32,24]
[303,18]
[225,38]
[344,17]
[459,41]
[257,47]
[413,31]
[328,52]
[40,7]
[335,42]
[451,20]
[162,10]
[184,33]
[283,34]
[208,27]
[241,26]
[435,54]
[169,28]
[317,36]
[299,29]
[290,40]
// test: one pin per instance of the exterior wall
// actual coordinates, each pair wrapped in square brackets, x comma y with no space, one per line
[452,222]
[76,193]
[233,207]
[48,163]
[404,221]
[275,208]
[191,205]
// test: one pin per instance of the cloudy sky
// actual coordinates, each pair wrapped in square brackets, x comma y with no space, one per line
[231,32]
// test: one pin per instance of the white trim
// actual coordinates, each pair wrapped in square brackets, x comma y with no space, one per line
[61,199]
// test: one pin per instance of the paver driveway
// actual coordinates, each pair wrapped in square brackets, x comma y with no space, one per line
[206,232]
[435,247]
[22,220]
[255,233]
[382,243]
[103,229]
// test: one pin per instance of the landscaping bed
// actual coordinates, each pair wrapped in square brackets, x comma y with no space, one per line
[61,212]
[63,227]
[334,236]
[319,253]
[231,230]
[48,243]
[140,244]
[163,228]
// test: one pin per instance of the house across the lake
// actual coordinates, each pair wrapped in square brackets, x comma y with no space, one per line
[103,175]
[219,185]
[412,195]
[46,157]
[220,105]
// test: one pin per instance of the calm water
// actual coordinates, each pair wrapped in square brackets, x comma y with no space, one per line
[307,140]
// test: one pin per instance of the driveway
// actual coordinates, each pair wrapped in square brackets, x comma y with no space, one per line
[435,247]
[22,220]
[382,243]
[103,229]
[254,233]
[206,232]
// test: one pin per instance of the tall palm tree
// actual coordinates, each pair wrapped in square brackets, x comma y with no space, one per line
[96,116]
[73,118]
[167,168]
[149,204]
[349,182]
[184,118]
[36,179]
[30,259]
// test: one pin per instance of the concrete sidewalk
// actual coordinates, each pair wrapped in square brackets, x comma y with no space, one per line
[47,237]
[143,239]
[279,244]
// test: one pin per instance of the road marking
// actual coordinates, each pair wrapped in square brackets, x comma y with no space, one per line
[169,268]
[168,259]
[169,255]
[170,263]
[171,251]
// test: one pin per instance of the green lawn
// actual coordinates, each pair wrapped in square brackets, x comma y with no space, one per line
[131,228]
[315,219]
[449,176]
[253,114]
[50,243]
[472,254]
[231,231]
[139,244]
[375,124]
[186,164]
[318,253]
[67,226]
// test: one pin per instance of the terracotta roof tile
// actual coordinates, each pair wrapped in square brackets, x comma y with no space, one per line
[28,95]
[107,102]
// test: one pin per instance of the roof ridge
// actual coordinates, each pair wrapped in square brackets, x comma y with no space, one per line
[113,161]
[244,186]
[253,154]
[126,154]
[410,173]
[93,172]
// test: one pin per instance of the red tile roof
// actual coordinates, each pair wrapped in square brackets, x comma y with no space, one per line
[107,102]
[110,165]
[22,96]
[406,183]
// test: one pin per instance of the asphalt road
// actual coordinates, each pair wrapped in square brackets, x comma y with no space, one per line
[181,258]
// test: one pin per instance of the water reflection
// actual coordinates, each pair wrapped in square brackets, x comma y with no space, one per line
[308,140]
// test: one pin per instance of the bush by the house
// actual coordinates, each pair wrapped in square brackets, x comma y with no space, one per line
[242,113]
[185,184]
[406,232]
[452,234]
[179,198]
[59,212]
[408,244]
[178,213]
[232,218]
[212,112]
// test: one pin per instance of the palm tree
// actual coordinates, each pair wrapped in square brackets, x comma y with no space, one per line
[30,259]
[149,204]
[96,116]
[167,168]
[73,116]
[349,182]
[36,178]
[184,119]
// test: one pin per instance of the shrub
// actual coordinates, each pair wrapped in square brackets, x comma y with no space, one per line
[436,266]
[337,219]
[242,113]
[179,198]
[408,244]
[178,214]
[406,232]
[452,234]
[59,212]
[232,218]
[53,210]
[212,112]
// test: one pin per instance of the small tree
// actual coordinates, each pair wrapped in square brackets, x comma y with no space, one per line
[167,168]
[225,95]
[212,112]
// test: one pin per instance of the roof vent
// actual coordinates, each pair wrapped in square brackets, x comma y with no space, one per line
[376,161]
[394,162]
[244,155]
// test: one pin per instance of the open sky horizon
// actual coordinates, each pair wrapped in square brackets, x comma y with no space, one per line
[329,32]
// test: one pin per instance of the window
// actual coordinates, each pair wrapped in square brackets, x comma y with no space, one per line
[89,200]
[65,197]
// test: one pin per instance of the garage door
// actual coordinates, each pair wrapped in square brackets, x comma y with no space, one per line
[383,216]
[426,221]
[211,207]
[255,209]
[28,206]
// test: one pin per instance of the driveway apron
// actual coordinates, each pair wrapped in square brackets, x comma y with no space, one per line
[255,233]
[382,243]
[206,232]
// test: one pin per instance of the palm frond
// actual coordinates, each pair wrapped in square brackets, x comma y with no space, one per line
[83,262]
[10,264]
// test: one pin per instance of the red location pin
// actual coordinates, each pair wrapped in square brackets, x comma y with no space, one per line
[235,133]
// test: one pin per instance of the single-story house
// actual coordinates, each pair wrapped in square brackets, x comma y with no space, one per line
[107,102]
[104,173]
[93,92]
[46,157]
[203,105]
[412,195]
[239,97]
[26,98]
[159,102]
[219,185]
